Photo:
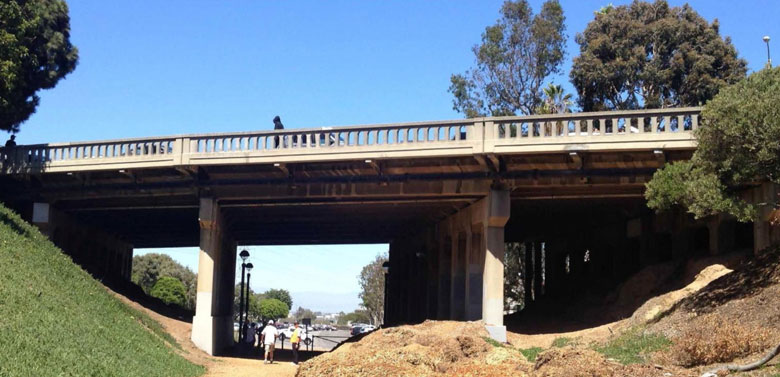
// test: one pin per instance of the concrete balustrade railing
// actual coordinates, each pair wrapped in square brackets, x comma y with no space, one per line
[609,130]
[619,130]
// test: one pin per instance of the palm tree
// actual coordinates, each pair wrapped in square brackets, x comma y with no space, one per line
[556,101]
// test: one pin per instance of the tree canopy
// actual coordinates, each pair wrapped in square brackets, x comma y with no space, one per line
[170,290]
[372,288]
[148,268]
[35,53]
[280,294]
[650,55]
[738,146]
[272,308]
[515,56]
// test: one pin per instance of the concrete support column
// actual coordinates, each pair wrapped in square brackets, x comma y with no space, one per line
[475,275]
[445,275]
[40,218]
[458,292]
[527,273]
[212,325]
[497,215]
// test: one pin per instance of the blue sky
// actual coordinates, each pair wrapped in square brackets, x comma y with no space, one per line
[172,67]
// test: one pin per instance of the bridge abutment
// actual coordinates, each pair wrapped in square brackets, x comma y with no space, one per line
[100,252]
[212,325]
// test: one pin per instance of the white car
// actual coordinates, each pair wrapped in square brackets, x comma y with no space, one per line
[287,334]
[367,328]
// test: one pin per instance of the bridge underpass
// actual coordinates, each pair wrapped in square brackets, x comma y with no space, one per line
[446,196]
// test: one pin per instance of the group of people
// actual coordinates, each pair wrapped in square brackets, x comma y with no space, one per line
[266,336]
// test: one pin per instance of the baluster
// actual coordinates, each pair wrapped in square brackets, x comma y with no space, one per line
[694,121]
[680,123]
[667,124]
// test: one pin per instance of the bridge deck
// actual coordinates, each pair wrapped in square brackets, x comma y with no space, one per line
[664,129]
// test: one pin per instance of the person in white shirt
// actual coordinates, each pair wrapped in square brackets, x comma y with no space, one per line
[268,338]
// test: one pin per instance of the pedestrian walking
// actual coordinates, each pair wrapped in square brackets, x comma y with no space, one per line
[295,340]
[269,341]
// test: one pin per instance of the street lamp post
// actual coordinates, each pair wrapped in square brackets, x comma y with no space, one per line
[244,255]
[386,269]
[768,57]
[246,296]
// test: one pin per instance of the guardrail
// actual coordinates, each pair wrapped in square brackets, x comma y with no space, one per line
[662,128]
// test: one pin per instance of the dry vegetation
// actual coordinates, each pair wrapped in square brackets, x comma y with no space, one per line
[713,339]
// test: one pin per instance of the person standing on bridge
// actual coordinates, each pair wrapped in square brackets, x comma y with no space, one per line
[11,143]
[295,341]
[9,149]
[269,341]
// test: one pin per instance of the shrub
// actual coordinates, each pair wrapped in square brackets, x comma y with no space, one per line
[272,308]
[531,353]
[738,145]
[561,342]
[714,340]
[170,290]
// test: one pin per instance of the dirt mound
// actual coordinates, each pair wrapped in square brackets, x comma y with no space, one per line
[584,362]
[658,305]
[734,318]
[433,348]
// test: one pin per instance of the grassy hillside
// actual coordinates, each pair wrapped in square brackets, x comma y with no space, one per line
[56,320]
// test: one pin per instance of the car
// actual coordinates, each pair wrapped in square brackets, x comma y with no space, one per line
[356,330]
[287,334]
[367,328]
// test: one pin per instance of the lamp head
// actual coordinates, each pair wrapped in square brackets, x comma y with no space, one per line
[249,267]
[386,267]
[243,254]
[766,38]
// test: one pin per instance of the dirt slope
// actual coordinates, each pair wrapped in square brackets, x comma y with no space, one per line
[215,366]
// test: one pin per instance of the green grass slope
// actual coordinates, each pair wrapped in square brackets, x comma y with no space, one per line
[56,320]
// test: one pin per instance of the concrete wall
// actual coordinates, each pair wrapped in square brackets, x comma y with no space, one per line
[453,270]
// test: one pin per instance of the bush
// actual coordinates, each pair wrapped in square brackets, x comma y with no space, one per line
[170,290]
[714,340]
[272,308]
[738,146]
[531,353]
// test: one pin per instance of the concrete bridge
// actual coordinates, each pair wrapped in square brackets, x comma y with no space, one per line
[440,193]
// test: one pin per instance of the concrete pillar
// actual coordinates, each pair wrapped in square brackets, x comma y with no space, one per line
[475,275]
[445,276]
[497,215]
[432,253]
[212,325]
[40,218]
[528,273]
[538,246]
[458,291]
